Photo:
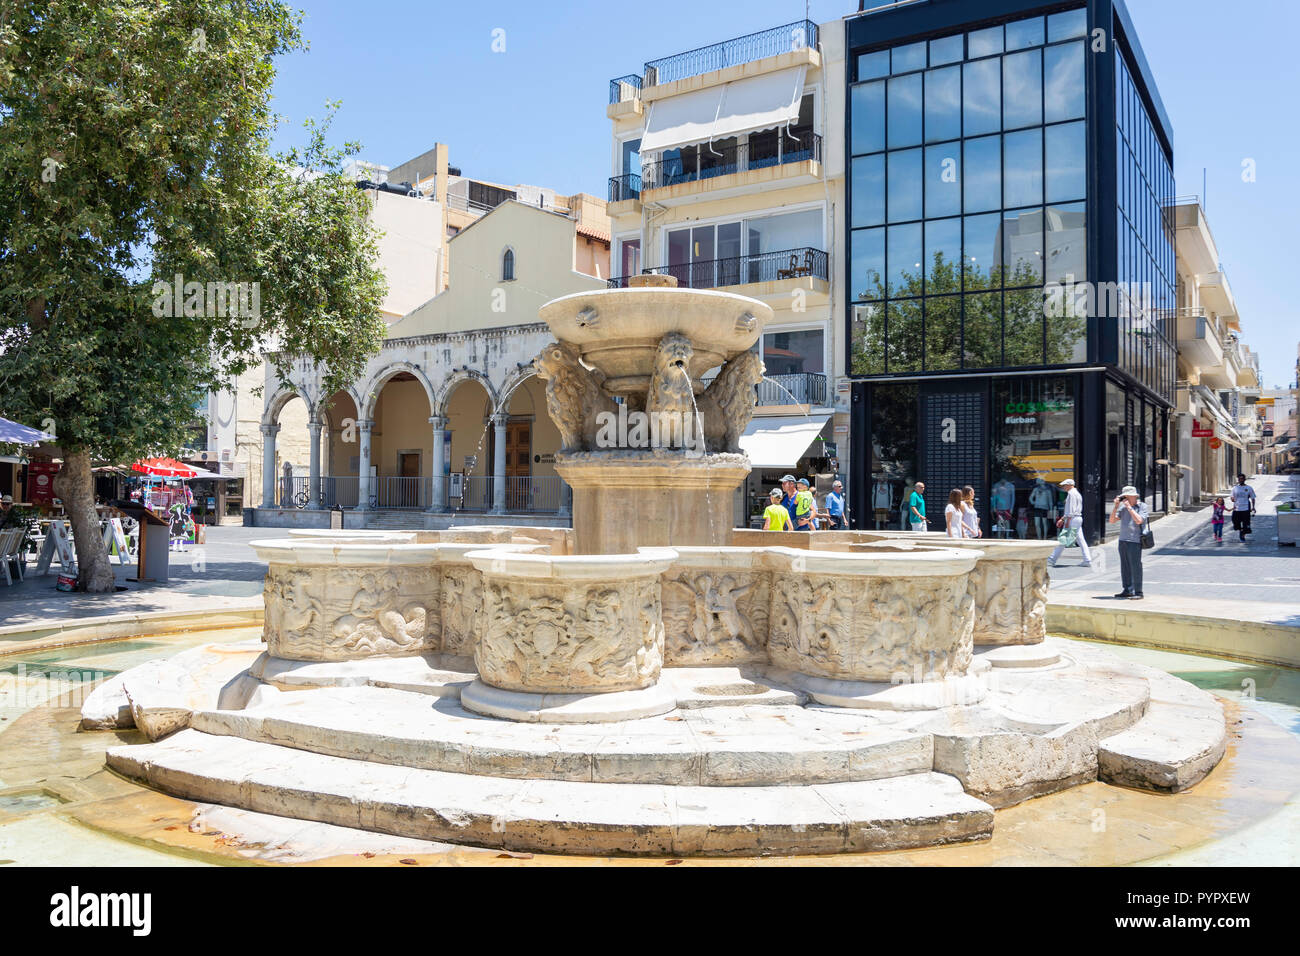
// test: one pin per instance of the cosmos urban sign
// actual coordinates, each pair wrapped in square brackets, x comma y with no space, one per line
[1025,413]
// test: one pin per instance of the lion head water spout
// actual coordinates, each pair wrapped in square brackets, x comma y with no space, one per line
[652,454]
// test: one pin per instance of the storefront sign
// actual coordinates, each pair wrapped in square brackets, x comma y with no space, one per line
[1216,442]
[1202,431]
[40,482]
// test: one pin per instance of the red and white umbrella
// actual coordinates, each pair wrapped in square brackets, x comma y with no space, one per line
[164,468]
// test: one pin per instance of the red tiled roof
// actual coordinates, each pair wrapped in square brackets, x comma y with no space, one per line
[593,233]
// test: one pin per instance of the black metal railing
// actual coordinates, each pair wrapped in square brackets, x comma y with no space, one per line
[624,88]
[626,186]
[742,270]
[793,388]
[710,160]
[718,56]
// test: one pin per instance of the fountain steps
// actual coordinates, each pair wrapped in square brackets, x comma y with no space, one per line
[736,746]
[557,816]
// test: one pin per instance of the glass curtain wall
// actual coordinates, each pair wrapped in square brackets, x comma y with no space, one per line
[967,197]
[1145,306]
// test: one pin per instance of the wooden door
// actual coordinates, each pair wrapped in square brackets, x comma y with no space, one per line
[519,449]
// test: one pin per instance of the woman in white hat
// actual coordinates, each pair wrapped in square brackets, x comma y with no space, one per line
[1072,519]
[1132,516]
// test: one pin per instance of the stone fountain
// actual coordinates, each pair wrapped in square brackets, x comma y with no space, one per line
[641,684]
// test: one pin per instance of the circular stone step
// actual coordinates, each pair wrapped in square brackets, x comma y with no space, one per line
[555,816]
[1019,655]
[714,746]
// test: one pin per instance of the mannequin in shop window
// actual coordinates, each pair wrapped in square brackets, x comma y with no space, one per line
[1003,501]
[1041,503]
[882,500]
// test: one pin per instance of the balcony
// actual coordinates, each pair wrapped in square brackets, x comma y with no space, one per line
[1202,346]
[799,35]
[805,263]
[795,388]
[760,159]
[624,187]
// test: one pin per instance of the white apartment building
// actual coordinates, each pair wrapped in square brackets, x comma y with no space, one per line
[728,173]
[1218,431]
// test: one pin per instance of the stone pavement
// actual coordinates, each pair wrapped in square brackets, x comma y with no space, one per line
[1188,571]
[224,573]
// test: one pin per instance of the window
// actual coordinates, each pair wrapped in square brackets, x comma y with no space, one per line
[508,266]
[967,195]
[788,353]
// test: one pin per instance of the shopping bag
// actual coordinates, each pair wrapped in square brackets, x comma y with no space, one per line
[1067,537]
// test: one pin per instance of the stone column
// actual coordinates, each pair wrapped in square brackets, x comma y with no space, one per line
[314,426]
[499,463]
[363,466]
[268,465]
[438,485]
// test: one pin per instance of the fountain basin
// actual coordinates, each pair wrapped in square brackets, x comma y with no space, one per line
[570,624]
[618,331]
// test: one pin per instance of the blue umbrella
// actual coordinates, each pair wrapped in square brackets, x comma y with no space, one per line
[16,434]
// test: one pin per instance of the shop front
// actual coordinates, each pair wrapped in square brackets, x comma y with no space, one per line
[1014,439]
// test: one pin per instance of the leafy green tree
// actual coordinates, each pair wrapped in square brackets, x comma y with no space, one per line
[134,145]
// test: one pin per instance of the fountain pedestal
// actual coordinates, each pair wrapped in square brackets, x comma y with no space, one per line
[623,500]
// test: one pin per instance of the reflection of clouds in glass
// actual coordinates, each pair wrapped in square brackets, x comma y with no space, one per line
[1063,92]
[1022,77]
[904,112]
[903,258]
[943,104]
[868,262]
[983,173]
[868,105]
[904,177]
[1066,153]
[869,190]
[982,97]
[1023,163]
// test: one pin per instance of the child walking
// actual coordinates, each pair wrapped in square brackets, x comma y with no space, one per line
[1216,519]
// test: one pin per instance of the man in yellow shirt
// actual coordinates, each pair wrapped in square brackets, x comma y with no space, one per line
[775,516]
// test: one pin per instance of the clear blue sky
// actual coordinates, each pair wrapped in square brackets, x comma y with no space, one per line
[414,72]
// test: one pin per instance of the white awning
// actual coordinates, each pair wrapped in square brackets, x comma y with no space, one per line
[780,442]
[754,103]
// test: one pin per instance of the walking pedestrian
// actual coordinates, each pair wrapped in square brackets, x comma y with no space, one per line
[1216,518]
[1071,520]
[835,506]
[970,516]
[1243,506]
[1131,515]
[775,517]
[916,508]
[952,515]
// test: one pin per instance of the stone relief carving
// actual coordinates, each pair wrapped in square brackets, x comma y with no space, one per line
[574,395]
[598,638]
[727,405]
[714,618]
[462,606]
[871,629]
[995,588]
[334,614]
[1034,602]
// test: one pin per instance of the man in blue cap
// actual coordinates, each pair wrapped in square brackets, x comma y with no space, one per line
[788,500]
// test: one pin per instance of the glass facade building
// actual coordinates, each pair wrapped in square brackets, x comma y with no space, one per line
[1011,264]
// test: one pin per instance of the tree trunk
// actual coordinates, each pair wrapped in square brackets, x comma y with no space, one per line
[75,484]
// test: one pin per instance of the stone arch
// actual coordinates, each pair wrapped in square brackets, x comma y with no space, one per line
[275,404]
[370,394]
[457,378]
[501,401]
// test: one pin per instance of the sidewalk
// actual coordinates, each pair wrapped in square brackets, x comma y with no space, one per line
[1194,586]
[220,581]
